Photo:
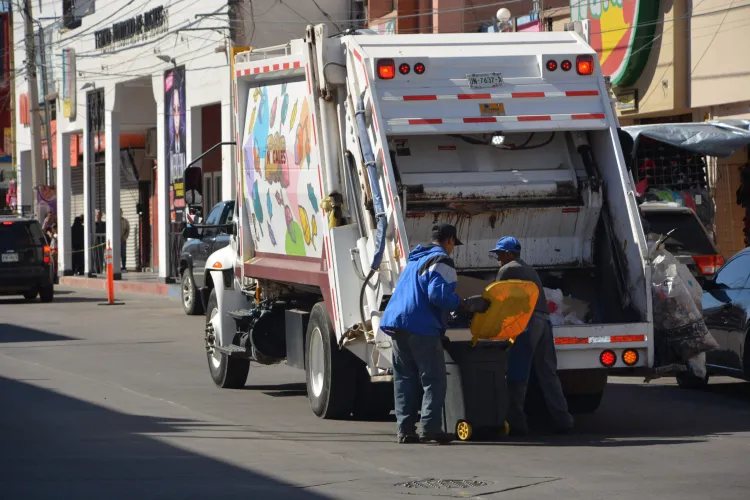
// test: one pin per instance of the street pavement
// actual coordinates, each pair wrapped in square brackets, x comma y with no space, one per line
[116,402]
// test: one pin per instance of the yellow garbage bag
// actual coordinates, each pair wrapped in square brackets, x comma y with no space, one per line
[511,306]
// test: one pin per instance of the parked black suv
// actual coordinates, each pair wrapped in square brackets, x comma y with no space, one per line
[25,259]
[201,240]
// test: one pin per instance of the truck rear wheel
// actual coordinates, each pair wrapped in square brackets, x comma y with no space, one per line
[227,372]
[331,372]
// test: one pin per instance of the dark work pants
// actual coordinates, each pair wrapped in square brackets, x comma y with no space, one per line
[418,360]
[535,348]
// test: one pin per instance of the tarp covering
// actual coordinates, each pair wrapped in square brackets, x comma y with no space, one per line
[715,138]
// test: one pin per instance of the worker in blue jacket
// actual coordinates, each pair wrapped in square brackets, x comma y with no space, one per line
[416,319]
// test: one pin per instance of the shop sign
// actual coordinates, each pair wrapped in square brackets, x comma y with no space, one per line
[627,100]
[621,32]
[175,140]
[132,30]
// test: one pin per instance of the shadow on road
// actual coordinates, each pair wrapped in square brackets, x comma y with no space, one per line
[67,299]
[54,446]
[642,415]
[16,333]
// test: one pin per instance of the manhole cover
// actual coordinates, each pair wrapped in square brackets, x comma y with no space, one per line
[444,484]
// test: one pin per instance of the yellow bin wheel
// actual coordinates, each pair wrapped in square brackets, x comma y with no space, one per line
[504,431]
[464,430]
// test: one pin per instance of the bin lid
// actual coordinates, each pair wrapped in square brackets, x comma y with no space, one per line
[511,306]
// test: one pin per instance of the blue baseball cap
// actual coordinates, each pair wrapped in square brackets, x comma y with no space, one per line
[507,244]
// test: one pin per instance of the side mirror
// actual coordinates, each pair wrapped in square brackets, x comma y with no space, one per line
[193,185]
[190,232]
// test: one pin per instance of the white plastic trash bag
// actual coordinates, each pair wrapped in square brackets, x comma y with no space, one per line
[679,330]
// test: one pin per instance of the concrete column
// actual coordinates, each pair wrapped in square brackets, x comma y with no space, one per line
[89,189]
[194,127]
[228,153]
[162,176]
[64,243]
[24,187]
[112,180]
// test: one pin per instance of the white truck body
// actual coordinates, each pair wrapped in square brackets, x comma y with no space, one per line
[307,224]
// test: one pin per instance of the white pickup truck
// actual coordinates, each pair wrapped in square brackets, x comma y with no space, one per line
[351,147]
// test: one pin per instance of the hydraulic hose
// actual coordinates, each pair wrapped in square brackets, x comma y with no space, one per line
[377,200]
[372,173]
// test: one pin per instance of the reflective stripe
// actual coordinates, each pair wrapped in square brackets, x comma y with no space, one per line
[613,339]
[447,272]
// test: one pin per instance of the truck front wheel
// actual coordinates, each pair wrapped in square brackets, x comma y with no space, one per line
[331,372]
[227,372]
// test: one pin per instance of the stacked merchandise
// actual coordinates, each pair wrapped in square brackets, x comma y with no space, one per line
[665,173]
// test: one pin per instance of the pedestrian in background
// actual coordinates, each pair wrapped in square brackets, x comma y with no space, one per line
[76,238]
[534,348]
[416,318]
[124,235]
[53,246]
[100,240]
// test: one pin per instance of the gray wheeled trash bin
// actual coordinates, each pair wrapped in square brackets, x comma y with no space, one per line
[476,402]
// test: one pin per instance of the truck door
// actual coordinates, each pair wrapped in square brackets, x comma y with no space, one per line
[724,313]
[204,249]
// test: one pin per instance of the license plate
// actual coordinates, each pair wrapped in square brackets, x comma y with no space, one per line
[10,257]
[484,80]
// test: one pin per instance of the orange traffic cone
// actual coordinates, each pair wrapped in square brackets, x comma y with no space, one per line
[110,275]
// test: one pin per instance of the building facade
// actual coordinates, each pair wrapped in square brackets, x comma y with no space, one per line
[135,92]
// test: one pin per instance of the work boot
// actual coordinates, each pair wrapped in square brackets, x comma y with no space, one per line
[407,438]
[437,437]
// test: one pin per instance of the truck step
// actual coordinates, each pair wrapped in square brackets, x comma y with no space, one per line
[240,314]
[233,350]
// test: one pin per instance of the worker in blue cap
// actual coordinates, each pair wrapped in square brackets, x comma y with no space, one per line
[533,348]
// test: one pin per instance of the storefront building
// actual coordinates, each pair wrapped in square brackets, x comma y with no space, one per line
[675,61]
[135,92]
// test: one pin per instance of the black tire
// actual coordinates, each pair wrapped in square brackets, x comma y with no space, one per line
[226,372]
[686,380]
[47,294]
[191,298]
[330,372]
[30,294]
[584,403]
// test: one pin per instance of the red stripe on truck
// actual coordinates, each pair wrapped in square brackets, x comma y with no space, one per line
[581,93]
[589,116]
[526,95]
[474,96]
[486,119]
[420,98]
[426,121]
[532,118]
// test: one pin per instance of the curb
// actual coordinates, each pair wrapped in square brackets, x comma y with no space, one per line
[162,289]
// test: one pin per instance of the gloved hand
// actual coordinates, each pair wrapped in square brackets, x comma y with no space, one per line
[474,304]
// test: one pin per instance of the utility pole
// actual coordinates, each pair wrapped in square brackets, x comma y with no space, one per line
[47,109]
[36,142]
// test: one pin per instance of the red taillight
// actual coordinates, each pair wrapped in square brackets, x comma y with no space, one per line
[47,256]
[551,65]
[708,264]
[566,65]
[608,358]
[404,69]
[585,65]
[419,68]
[386,69]
[7,223]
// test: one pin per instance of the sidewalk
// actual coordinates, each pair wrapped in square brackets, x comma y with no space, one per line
[147,283]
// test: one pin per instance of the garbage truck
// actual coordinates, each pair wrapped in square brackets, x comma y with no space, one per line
[350,147]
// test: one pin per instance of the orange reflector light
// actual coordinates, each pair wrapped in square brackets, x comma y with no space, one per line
[630,357]
[404,69]
[217,265]
[708,264]
[551,65]
[419,68]
[608,358]
[566,65]
[386,69]
[585,65]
